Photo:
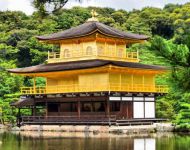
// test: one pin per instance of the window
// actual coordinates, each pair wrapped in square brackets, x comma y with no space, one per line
[99,106]
[86,106]
[92,106]
[89,50]
[138,109]
[67,53]
[53,107]
[111,50]
[149,110]
[114,106]
[120,53]
[111,47]
[100,50]
[144,109]
[68,107]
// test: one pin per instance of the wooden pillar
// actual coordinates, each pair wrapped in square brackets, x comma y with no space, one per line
[46,106]
[108,107]
[127,111]
[108,110]
[122,111]
[19,118]
[34,111]
[59,109]
[78,109]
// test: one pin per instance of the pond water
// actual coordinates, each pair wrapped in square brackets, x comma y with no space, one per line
[18,141]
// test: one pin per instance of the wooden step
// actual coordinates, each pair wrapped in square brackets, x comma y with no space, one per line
[134,123]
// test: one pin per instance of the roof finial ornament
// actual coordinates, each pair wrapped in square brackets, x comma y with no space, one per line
[94,15]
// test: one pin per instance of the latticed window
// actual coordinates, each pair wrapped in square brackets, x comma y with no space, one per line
[89,50]
[111,50]
[100,50]
[120,53]
[67,53]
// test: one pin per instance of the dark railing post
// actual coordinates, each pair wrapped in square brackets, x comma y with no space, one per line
[108,109]
[78,107]
[46,110]
[19,118]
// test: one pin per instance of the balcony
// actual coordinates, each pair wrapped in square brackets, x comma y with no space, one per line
[54,57]
[75,88]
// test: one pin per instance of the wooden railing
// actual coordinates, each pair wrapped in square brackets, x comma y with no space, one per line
[84,120]
[75,88]
[107,55]
[100,119]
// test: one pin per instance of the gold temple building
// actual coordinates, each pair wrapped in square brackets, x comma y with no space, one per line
[94,79]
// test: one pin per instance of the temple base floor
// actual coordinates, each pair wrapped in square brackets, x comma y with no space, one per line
[88,110]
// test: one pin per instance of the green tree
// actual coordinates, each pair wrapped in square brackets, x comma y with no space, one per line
[136,24]
[118,17]
[178,56]
[46,6]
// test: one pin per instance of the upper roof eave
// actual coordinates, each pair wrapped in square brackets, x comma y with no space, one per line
[89,28]
[85,64]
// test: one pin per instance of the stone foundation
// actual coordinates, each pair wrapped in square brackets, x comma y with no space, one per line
[157,127]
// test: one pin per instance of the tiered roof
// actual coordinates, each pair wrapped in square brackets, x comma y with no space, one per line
[89,28]
[86,29]
[85,64]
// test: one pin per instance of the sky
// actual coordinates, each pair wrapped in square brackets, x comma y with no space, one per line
[25,5]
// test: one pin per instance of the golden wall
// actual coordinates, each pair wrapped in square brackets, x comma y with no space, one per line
[62,81]
[93,79]
[51,82]
[126,78]
[77,49]
[92,48]
[103,79]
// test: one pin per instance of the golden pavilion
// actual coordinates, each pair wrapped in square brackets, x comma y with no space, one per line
[94,79]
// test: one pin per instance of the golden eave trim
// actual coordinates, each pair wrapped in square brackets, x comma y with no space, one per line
[106,68]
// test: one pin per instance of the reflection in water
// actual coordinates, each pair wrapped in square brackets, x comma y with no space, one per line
[145,144]
[156,142]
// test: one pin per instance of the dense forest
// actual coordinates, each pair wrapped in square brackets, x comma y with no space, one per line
[169,45]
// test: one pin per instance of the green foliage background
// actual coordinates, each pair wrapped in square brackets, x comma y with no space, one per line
[168,28]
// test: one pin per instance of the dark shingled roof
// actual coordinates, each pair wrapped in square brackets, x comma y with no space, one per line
[89,28]
[85,64]
[23,102]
